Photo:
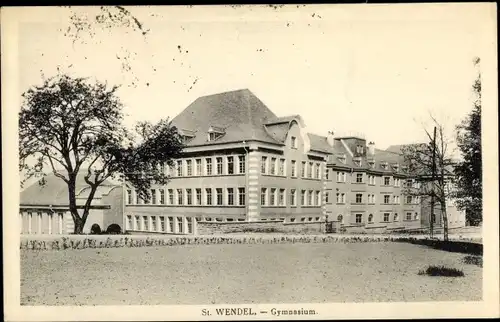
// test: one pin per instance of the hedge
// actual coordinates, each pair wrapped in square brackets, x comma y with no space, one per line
[81,242]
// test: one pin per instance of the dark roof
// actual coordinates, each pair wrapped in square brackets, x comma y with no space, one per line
[240,113]
[242,116]
[55,191]
[319,143]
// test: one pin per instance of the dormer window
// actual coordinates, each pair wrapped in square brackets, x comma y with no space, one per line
[359,149]
[395,166]
[384,165]
[357,161]
[215,133]
[186,135]
[342,158]
[371,163]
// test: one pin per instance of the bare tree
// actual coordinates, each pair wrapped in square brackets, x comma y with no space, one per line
[430,170]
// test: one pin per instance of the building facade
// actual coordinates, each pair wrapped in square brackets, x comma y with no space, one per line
[242,163]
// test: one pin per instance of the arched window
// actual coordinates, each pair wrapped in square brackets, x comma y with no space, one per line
[396,217]
[416,216]
[370,218]
[340,218]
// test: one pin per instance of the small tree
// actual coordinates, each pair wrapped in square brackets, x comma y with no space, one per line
[469,192]
[424,160]
[75,128]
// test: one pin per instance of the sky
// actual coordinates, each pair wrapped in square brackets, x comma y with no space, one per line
[372,70]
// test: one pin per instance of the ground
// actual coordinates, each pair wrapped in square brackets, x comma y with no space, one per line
[269,273]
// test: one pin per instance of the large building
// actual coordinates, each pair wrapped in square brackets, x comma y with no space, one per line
[243,163]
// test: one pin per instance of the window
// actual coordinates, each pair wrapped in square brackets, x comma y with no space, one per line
[189,167]
[137,197]
[408,216]
[309,170]
[318,171]
[281,198]
[137,223]
[147,200]
[208,194]
[387,199]
[341,176]
[198,197]
[416,216]
[189,225]
[327,174]
[396,217]
[241,160]
[198,167]
[153,224]
[170,224]
[359,198]
[153,196]
[370,218]
[219,196]
[179,168]
[162,223]
[272,166]
[219,165]
[282,167]
[293,142]
[359,177]
[318,198]
[387,181]
[359,218]
[145,223]
[433,217]
[263,196]
[396,182]
[310,198]
[129,197]
[327,197]
[386,217]
[272,197]
[263,165]
[189,196]
[208,165]
[303,198]
[241,196]
[162,196]
[292,219]
[409,199]
[170,196]
[129,222]
[230,165]
[303,170]
[180,197]
[294,168]
[340,218]
[292,197]
[340,197]
[179,225]
[230,196]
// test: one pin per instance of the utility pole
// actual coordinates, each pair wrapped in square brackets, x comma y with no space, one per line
[431,219]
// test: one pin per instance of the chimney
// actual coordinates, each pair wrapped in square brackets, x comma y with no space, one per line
[371,148]
[330,138]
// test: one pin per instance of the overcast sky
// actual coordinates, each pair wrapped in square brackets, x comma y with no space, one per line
[377,70]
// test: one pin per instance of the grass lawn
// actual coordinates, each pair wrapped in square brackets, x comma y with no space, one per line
[217,274]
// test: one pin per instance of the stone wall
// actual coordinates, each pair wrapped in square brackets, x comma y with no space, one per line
[214,228]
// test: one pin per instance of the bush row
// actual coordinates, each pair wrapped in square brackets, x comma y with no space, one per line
[137,241]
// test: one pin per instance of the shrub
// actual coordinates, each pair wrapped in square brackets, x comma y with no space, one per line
[95,229]
[114,229]
[473,260]
[441,271]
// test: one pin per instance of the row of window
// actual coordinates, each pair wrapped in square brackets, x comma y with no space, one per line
[54,223]
[191,197]
[226,165]
[372,180]
[277,166]
[341,198]
[386,217]
[160,224]
[277,197]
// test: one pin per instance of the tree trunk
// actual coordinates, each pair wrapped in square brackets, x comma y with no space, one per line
[77,220]
[444,217]
[79,224]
